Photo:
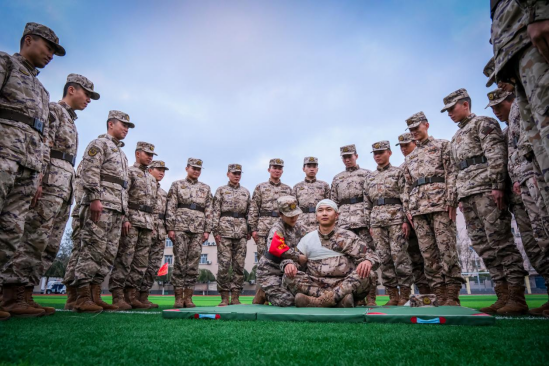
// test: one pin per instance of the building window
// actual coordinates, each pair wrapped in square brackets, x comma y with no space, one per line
[204,259]
[169,243]
[168,259]
[255,257]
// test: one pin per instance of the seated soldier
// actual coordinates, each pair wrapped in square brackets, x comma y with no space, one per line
[338,266]
[281,244]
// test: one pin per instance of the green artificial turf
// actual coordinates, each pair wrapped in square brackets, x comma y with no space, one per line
[147,338]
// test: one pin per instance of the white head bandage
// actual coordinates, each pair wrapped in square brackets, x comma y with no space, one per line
[327,202]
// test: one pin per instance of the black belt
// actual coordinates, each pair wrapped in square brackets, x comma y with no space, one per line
[115,180]
[63,156]
[192,206]
[351,201]
[480,159]
[269,213]
[236,215]
[162,216]
[35,123]
[387,201]
[138,207]
[308,209]
[428,180]
[273,258]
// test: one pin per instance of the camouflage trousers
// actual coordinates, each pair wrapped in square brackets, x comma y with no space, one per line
[35,253]
[231,253]
[540,190]
[261,246]
[269,278]
[364,234]
[73,259]
[490,232]
[156,252]
[536,212]
[17,188]
[418,266]
[186,252]
[98,246]
[132,259]
[392,249]
[304,283]
[436,235]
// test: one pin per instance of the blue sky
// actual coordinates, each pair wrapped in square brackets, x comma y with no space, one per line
[246,81]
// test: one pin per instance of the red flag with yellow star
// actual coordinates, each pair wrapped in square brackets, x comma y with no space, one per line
[278,245]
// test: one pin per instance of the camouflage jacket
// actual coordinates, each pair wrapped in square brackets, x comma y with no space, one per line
[292,236]
[346,185]
[430,158]
[22,92]
[479,136]
[509,28]
[187,192]
[308,193]
[233,199]
[264,201]
[142,189]
[519,168]
[160,213]
[61,136]
[78,192]
[386,182]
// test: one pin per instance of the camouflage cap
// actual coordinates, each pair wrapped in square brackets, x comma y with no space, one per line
[381,146]
[121,116]
[46,33]
[405,138]
[347,150]
[497,96]
[85,83]
[146,147]
[453,98]
[158,164]
[276,161]
[287,205]
[490,72]
[197,163]
[310,160]
[235,168]
[416,119]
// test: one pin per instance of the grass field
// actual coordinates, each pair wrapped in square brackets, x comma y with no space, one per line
[145,338]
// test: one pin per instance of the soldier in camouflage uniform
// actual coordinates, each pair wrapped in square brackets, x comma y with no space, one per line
[479,151]
[264,211]
[189,223]
[407,145]
[230,211]
[283,239]
[348,193]
[104,177]
[309,192]
[430,205]
[383,191]
[157,169]
[46,221]
[338,268]
[528,215]
[24,114]
[138,233]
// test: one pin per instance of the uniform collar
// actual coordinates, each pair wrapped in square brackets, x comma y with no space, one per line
[384,168]
[274,184]
[425,142]
[115,141]
[71,111]
[233,186]
[326,236]
[466,120]
[356,167]
[190,180]
[140,166]
[33,70]
[307,180]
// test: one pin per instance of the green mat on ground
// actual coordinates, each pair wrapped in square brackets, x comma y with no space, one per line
[447,315]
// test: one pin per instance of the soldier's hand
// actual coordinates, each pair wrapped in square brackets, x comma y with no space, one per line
[290,270]
[460,207]
[171,235]
[126,228]
[302,260]
[205,237]
[217,239]
[96,207]
[539,34]
[37,197]
[255,236]
[498,197]
[410,220]
[516,188]
[370,230]
[364,268]
[248,236]
[452,213]
[405,230]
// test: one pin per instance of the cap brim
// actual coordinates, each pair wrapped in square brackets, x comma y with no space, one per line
[495,102]
[413,125]
[131,125]
[197,166]
[235,171]
[403,142]
[59,50]
[374,150]
[347,153]
[448,106]
[93,95]
[293,213]
[491,80]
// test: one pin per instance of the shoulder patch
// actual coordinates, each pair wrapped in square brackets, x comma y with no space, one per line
[23,71]
[93,151]
[486,130]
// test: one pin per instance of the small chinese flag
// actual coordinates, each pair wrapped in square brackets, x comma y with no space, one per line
[163,270]
[278,246]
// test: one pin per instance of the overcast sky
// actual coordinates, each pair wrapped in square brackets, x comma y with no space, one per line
[247,81]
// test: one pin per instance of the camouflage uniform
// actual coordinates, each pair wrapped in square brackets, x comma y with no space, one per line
[78,193]
[45,223]
[230,210]
[338,273]
[156,251]
[105,178]
[269,269]
[132,258]
[189,214]
[308,194]
[263,211]
[383,210]
[479,151]
[429,188]
[23,126]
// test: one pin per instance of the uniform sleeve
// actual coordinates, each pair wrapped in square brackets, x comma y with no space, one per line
[171,207]
[513,163]
[367,203]
[326,191]
[333,193]
[91,170]
[538,10]
[255,204]
[359,251]
[495,149]
[50,131]
[5,65]
[216,211]
[405,197]
[208,215]
[401,182]
[450,174]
